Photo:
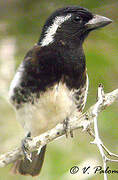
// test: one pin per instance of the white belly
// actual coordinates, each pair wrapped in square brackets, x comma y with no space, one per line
[51,108]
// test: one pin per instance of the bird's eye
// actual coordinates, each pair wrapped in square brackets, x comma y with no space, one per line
[77,19]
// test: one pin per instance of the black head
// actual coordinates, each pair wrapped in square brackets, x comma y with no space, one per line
[70,24]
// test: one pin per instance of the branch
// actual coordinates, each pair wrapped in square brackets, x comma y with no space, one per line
[106,100]
[83,122]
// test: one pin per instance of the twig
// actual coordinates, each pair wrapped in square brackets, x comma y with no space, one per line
[109,153]
[90,132]
[97,139]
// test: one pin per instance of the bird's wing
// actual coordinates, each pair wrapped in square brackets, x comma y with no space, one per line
[40,70]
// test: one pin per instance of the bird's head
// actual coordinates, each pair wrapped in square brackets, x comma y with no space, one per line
[70,24]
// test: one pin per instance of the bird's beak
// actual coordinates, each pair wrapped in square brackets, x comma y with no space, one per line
[97,21]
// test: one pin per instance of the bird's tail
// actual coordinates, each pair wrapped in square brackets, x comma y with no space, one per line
[25,167]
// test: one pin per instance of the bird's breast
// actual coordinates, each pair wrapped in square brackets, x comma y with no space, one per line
[51,108]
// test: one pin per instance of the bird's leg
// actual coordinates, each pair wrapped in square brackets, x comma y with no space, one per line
[67,128]
[24,147]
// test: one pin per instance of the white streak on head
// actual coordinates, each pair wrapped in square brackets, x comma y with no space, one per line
[49,35]
[16,80]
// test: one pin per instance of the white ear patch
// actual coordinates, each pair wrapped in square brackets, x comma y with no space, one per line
[49,35]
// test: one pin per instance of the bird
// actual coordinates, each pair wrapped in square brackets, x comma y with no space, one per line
[51,83]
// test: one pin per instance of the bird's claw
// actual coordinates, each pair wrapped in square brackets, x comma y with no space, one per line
[25,148]
[67,128]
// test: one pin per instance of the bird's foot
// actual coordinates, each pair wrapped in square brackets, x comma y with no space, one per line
[25,148]
[67,128]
